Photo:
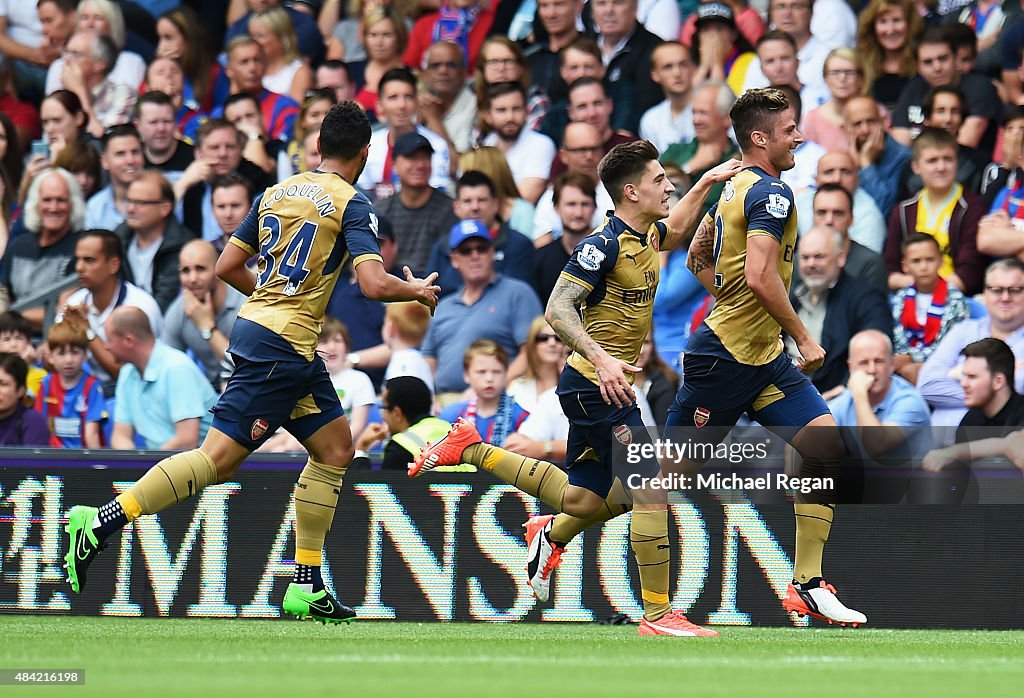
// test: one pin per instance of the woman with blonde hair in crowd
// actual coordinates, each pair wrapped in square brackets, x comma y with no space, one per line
[515,210]
[545,359]
[885,41]
[104,17]
[544,433]
[503,60]
[286,74]
[844,77]
[385,37]
[345,40]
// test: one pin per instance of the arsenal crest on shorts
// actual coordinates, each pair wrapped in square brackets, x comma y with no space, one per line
[701,415]
[623,435]
[259,428]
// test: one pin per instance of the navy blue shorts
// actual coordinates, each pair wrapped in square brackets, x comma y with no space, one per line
[263,395]
[599,435]
[715,392]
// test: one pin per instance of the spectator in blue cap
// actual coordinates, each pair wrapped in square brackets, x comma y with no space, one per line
[476,200]
[488,305]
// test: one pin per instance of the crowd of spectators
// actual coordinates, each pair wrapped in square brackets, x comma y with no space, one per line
[134,136]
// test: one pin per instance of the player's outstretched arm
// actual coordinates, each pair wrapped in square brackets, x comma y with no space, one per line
[232,270]
[377,284]
[683,217]
[563,315]
[761,273]
[701,256]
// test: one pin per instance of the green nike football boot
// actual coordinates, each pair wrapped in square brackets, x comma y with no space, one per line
[83,546]
[319,605]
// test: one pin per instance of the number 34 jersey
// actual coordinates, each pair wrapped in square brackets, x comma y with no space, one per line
[304,230]
[738,328]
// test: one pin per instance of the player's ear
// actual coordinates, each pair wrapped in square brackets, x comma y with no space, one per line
[759,138]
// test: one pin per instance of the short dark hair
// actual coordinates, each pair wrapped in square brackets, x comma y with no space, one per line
[396,75]
[411,395]
[756,110]
[777,35]
[573,179]
[500,89]
[335,64]
[929,99]
[110,244]
[961,36]
[916,238]
[831,187]
[14,366]
[1012,113]
[120,131]
[13,321]
[238,97]
[231,180]
[65,6]
[931,137]
[585,81]
[997,355]
[623,164]
[211,125]
[476,178]
[153,97]
[345,131]
[583,44]
[934,35]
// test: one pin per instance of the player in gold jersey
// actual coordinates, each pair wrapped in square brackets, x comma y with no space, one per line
[304,230]
[601,307]
[734,363]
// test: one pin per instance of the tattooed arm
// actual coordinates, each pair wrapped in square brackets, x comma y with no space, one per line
[701,257]
[563,314]
[683,216]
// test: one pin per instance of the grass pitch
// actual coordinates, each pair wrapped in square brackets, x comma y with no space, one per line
[228,658]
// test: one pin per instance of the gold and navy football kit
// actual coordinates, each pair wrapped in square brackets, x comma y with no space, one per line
[304,230]
[619,267]
[734,362]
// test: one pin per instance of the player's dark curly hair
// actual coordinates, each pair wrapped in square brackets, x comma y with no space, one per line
[625,164]
[756,110]
[344,132]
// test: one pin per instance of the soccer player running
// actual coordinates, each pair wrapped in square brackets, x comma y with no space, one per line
[601,307]
[304,229]
[742,253]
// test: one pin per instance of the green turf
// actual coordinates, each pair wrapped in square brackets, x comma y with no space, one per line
[198,658]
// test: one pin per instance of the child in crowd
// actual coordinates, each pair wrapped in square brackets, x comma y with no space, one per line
[355,389]
[16,338]
[405,326]
[70,399]
[924,311]
[943,210]
[494,412]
